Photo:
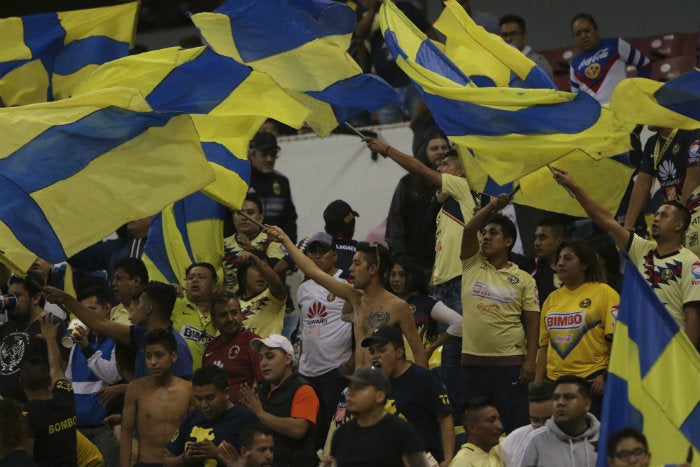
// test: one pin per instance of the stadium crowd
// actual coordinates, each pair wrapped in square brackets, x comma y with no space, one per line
[439,346]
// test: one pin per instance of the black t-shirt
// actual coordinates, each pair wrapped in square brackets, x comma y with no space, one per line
[380,445]
[195,427]
[682,152]
[52,424]
[17,342]
[420,398]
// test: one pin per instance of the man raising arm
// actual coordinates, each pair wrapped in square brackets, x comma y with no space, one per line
[664,263]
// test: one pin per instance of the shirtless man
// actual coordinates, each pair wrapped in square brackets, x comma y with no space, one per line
[155,404]
[372,305]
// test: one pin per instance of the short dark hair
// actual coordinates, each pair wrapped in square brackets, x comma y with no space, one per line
[162,296]
[13,425]
[513,19]
[584,387]
[32,284]
[628,432]
[96,291]
[558,226]
[586,16]
[507,227]
[210,374]
[540,392]
[253,198]
[35,373]
[682,211]
[205,265]
[222,298]
[243,269]
[246,438]
[376,254]
[162,337]
[474,405]
[134,267]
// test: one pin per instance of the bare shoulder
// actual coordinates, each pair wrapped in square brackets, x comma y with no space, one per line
[140,385]
[395,304]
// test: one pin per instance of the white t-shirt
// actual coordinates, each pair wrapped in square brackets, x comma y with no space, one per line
[325,338]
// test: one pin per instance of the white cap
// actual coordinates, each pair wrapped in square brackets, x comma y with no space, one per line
[273,341]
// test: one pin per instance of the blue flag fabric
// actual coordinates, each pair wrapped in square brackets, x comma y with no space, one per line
[512,131]
[46,55]
[227,112]
[654,375]
[302,45]
[73,171]
[188,231]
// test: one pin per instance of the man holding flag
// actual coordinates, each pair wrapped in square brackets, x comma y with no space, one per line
[671,270]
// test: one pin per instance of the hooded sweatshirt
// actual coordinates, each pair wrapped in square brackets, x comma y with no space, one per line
[549,446]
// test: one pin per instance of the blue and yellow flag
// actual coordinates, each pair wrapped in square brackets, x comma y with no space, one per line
[674,104]
[74,170]
[607,179]
[188,231]
[302,45]
[485,57]
[511,131]
[45,56]
[654,375]
[227,111]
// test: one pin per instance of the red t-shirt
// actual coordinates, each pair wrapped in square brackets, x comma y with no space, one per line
[239,361]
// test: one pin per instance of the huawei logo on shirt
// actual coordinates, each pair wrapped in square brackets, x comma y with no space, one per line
[317,314]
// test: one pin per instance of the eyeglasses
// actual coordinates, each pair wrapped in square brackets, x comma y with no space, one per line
[511,34]
[625,455]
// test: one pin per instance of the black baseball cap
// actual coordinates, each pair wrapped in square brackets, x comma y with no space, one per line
[370,376]
[338,215]
[384,335]
[263,141]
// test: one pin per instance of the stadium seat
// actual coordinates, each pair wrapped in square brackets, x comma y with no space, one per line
[562,82]
[669,68]
[559,59]
[669,45]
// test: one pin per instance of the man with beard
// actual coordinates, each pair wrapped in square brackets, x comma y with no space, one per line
[231,349]
[18,339]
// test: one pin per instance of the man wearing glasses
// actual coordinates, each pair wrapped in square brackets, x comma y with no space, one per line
[513,31]
[628,448]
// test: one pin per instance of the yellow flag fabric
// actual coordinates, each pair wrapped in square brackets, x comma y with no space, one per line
[187,231]
[485,57]
[45,56]
[652,377]
[302,45]
[674,104]
[512,132]
[226,112]
[73,171]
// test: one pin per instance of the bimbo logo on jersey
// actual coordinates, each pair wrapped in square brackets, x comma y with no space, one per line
[565,320]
